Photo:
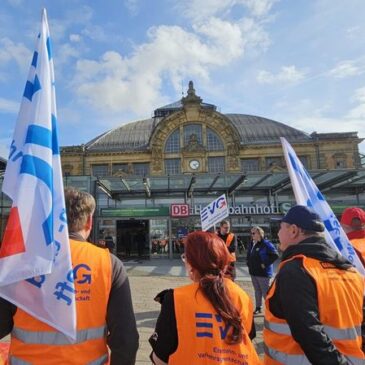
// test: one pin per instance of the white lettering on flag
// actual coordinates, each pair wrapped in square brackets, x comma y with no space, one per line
[35,259]
[307,193]
[214,212]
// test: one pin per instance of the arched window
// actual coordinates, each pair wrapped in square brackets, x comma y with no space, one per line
[214,143]
[173,142]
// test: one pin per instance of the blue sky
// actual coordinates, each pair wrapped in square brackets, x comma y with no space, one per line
[300,62]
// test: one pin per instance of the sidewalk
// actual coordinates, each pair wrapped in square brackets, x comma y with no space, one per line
[175,268]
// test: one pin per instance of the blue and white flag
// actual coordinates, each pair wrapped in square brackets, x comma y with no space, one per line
[306,193]
[35,260]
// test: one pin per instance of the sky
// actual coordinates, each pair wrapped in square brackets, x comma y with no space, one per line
[298,62]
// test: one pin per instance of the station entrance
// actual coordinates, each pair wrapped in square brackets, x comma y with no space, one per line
[133,239]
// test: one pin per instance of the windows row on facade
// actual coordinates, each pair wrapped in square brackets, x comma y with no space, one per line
[173,166]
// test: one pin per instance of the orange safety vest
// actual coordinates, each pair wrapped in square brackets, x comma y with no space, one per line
[229,239]
[35,343]
[359,245]
[340,301]
[201,331]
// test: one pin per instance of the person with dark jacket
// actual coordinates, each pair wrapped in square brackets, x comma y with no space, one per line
[261,254]
[315,306]
[106,325]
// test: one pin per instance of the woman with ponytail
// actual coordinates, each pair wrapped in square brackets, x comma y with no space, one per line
[209,321]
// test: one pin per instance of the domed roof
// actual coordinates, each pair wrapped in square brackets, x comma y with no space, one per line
[135,136]
[126,138]
[253,130]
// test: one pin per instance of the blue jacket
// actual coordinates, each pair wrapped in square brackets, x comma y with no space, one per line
[263,253]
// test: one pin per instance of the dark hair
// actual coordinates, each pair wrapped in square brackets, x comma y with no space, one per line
[79,206]
[223,222]
[208,254]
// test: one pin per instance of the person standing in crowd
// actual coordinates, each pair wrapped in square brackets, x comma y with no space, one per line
[105,320]
[315,306]
[230,241]
[208,321]
[261,255]
[353,223]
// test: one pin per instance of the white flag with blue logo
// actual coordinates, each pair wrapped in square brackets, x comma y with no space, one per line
[306,193]
[214,212]
[35,260]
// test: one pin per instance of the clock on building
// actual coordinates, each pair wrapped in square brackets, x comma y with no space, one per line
[194,164]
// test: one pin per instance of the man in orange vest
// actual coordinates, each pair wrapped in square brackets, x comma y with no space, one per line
[230,240]
[314,308]
[105,316]
[353,223]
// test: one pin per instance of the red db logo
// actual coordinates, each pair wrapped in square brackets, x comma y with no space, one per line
[179,210]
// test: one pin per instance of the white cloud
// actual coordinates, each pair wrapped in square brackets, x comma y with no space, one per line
[8,106]
[202,9]
[18,52]
[254,35]
[75,38]
[259,8]
[60,27]
[95,33]
[287,74]
[345,69]
[134,83]
[66,52]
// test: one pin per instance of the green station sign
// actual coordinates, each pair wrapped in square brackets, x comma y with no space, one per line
[136,212]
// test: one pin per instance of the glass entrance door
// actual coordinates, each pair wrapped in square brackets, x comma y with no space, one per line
[132,239]
[159,238]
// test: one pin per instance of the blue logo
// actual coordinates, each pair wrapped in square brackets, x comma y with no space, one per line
[205,323]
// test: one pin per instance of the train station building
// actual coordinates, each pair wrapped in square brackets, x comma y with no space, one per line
[152,177]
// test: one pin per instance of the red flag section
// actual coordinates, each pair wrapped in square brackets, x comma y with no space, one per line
[4,350]
[13,241]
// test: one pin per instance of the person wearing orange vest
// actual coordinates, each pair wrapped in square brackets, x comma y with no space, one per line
[353,223]
[315,306]
[105,317]
[230,240]
[209,321]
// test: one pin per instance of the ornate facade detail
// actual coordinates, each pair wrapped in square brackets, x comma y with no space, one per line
[193,145]
[156,158]
[191,98]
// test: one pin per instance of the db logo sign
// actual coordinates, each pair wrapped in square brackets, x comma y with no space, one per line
[179,210]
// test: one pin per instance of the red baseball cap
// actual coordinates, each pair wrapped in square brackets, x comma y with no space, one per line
[350,213]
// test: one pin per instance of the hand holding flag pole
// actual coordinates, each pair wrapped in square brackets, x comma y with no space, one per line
[35,260]
[307,193]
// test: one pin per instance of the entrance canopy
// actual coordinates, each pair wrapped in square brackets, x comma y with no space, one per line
[346,181]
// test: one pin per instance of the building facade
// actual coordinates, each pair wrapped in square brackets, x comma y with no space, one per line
[190,136]
[152,177]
